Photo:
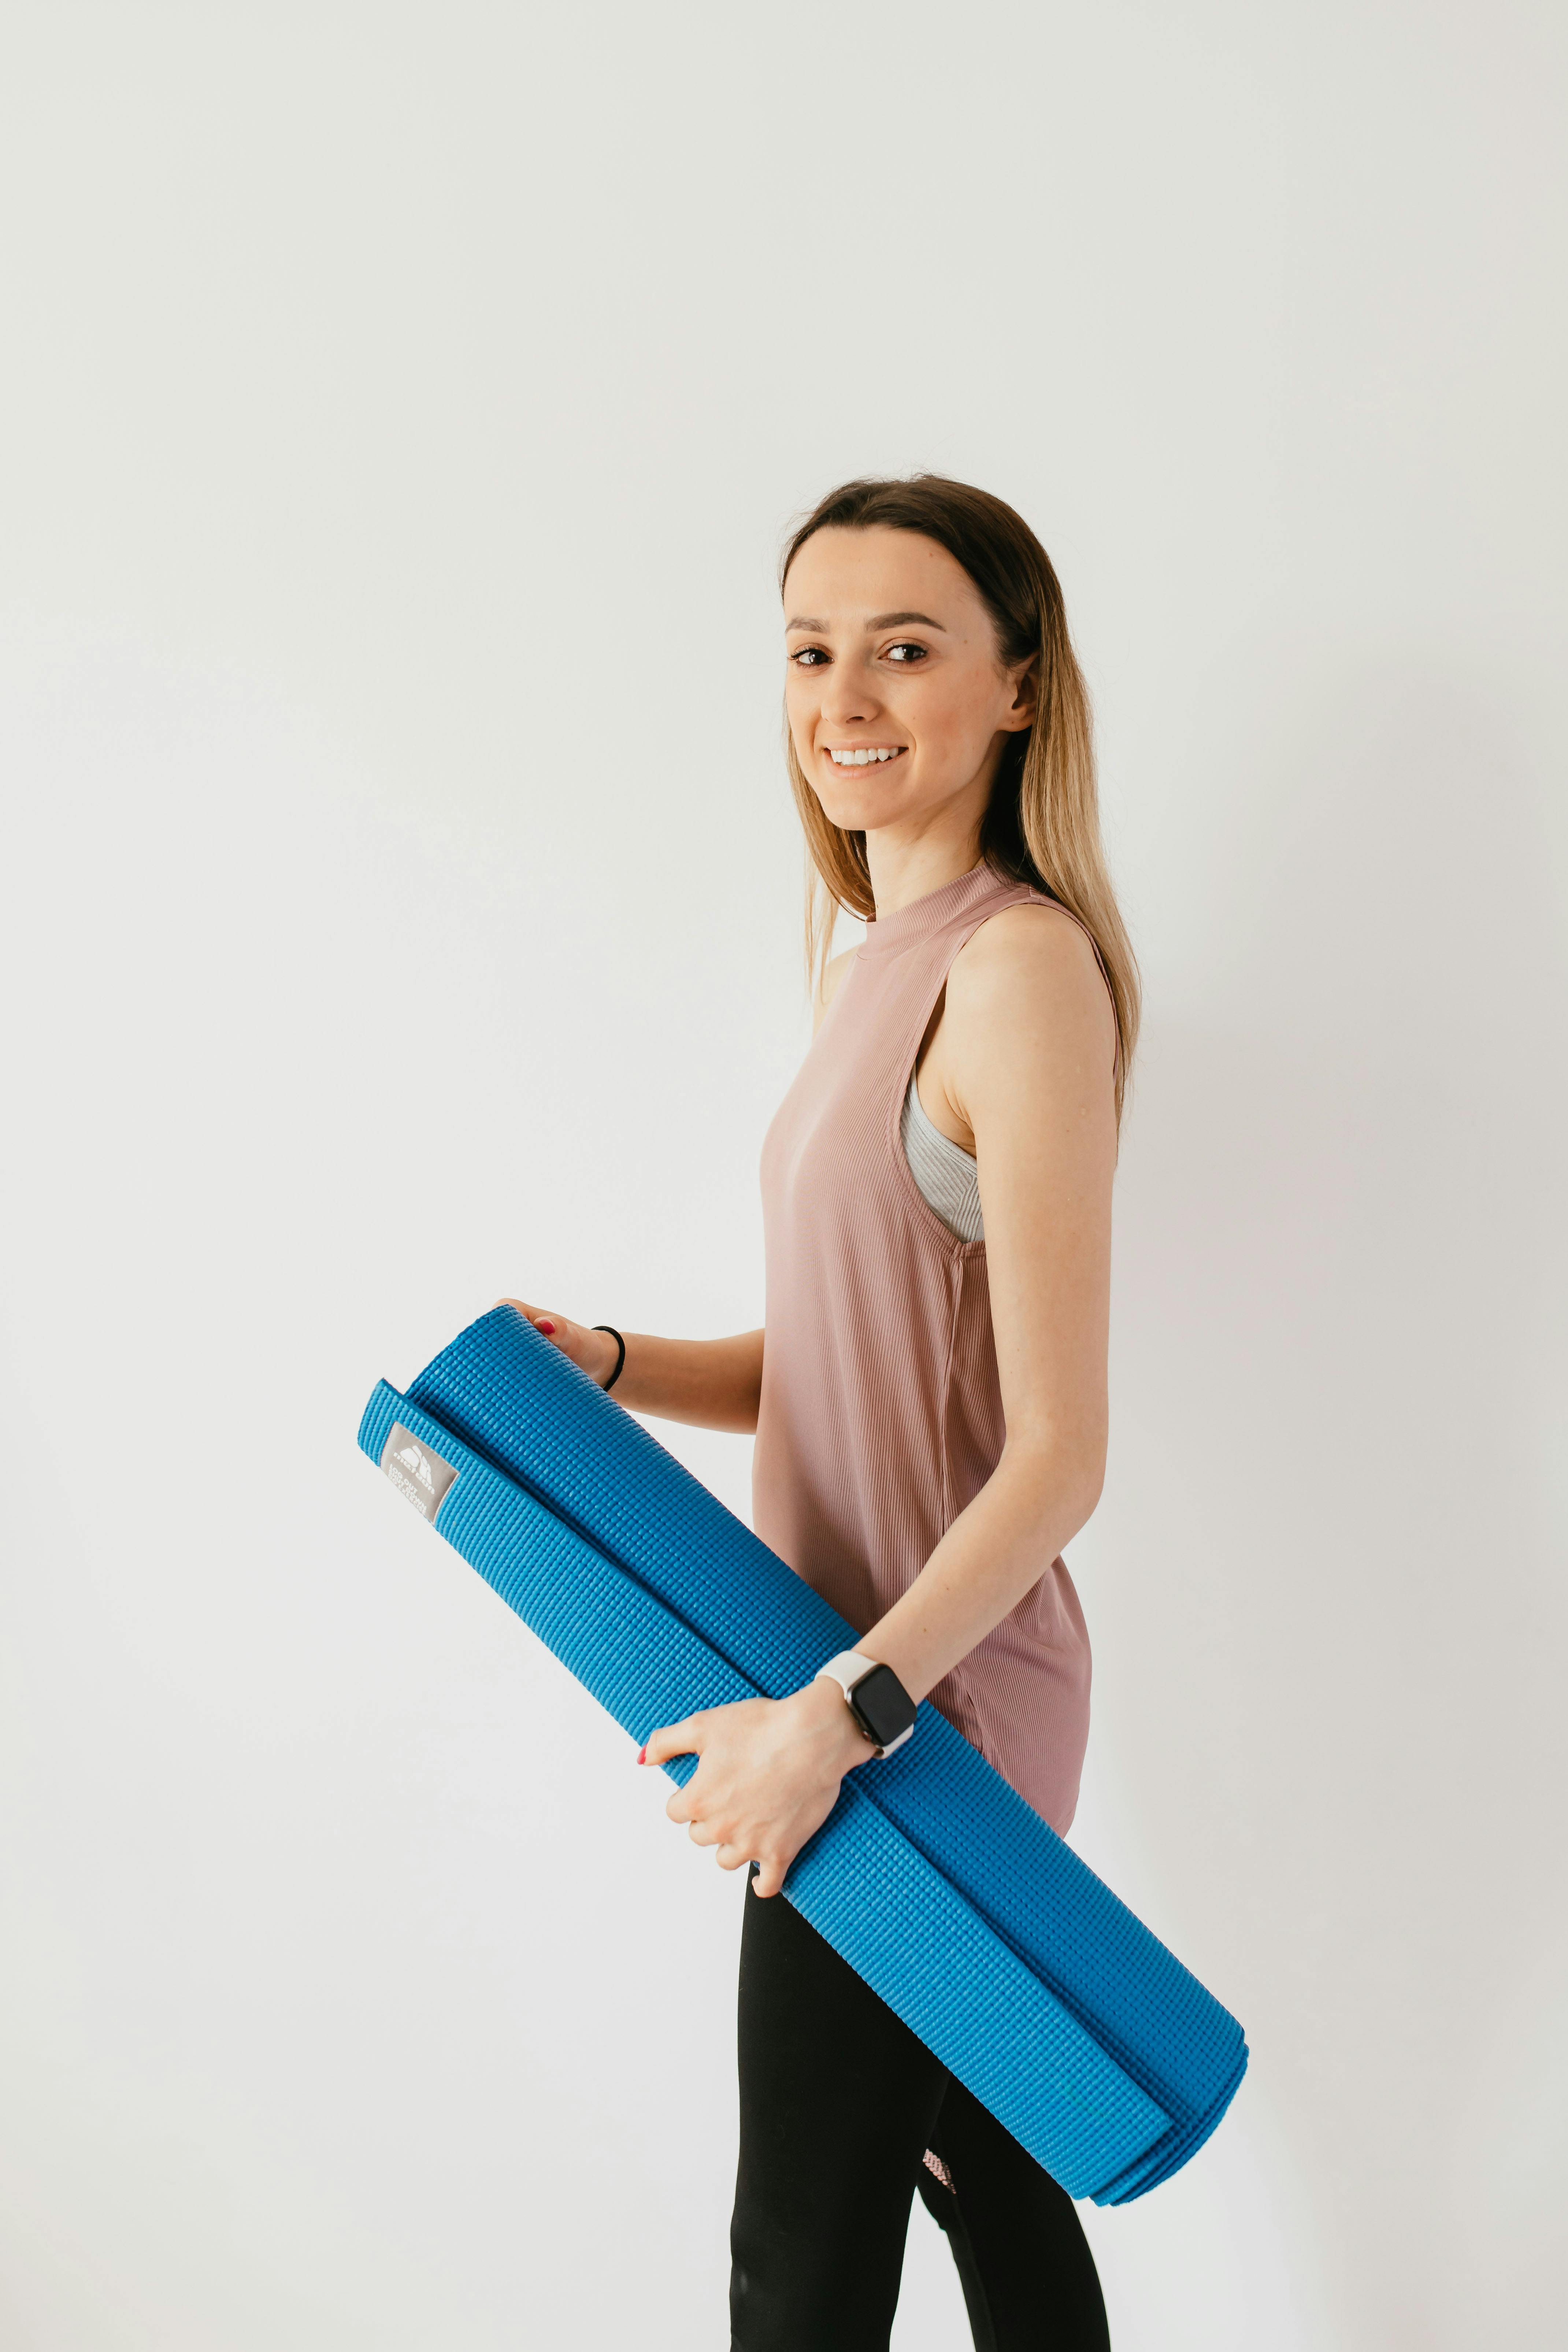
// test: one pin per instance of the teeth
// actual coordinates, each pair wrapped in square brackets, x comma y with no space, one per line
[863,759]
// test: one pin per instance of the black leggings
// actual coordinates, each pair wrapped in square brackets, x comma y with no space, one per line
[843,2111]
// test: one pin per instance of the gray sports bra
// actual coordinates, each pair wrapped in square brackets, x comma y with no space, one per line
[948,1177]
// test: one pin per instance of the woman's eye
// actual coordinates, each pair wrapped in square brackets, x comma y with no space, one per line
[905,653]
[808,658]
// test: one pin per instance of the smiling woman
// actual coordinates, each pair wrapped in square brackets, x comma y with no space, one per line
[1040,821]
[928,1391]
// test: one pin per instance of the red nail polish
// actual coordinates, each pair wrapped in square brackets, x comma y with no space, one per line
[642,1755]
[548,1329]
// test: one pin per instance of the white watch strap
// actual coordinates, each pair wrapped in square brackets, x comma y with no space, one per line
[848,1668]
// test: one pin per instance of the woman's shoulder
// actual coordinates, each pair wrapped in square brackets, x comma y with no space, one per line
[1027,957]
[1032,939]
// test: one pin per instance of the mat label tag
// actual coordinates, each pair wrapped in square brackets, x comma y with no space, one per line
[416,1471]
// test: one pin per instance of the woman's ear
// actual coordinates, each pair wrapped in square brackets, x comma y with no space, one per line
[1026,697]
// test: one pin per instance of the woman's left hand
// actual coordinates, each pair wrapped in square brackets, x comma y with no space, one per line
[768,1775]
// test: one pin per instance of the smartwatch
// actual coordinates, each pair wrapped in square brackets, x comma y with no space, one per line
[878,1699]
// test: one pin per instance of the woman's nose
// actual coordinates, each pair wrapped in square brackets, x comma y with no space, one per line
[850,700]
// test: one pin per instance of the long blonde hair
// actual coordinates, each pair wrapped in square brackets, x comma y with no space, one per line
[1043,823]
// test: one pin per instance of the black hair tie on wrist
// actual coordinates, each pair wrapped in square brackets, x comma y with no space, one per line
[620,1354]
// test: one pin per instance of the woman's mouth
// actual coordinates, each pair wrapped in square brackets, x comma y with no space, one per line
[864,755]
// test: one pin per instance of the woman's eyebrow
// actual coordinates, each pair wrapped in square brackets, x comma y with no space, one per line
[877,621]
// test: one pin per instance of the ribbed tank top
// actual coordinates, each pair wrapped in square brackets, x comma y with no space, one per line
[881,1413]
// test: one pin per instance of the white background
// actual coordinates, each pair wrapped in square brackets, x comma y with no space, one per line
[400,412]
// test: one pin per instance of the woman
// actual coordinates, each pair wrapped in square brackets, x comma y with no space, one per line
[929,1391]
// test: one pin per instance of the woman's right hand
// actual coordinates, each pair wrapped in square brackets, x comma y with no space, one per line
[594,1352]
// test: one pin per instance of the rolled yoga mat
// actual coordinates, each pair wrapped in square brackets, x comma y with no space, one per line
[986,1933]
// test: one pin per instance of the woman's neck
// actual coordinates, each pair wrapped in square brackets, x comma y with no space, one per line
[909,863]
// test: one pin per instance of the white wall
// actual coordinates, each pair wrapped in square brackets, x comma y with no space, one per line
[400,411]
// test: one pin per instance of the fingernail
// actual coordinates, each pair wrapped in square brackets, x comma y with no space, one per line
[546,1326]
[642,1755]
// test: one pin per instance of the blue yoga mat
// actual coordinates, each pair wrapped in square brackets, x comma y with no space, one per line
[936,1882]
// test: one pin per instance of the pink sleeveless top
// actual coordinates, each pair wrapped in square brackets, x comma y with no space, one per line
[881,1413]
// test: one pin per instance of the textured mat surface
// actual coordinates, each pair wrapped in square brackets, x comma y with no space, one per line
[1018,1967]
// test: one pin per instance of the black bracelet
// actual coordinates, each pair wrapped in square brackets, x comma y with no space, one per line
[620,1355]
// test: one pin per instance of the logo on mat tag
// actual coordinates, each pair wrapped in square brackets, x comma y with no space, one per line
[416,1471]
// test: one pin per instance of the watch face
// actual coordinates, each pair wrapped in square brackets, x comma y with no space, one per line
[882,1706]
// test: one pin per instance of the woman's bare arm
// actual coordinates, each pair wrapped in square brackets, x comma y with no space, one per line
[1022,1062]
[712,1383]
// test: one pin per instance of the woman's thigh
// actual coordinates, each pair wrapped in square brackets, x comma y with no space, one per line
[838,2100]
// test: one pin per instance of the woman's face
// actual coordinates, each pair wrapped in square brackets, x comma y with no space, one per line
[898,701]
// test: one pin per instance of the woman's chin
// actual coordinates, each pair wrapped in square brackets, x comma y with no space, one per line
[859,811]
